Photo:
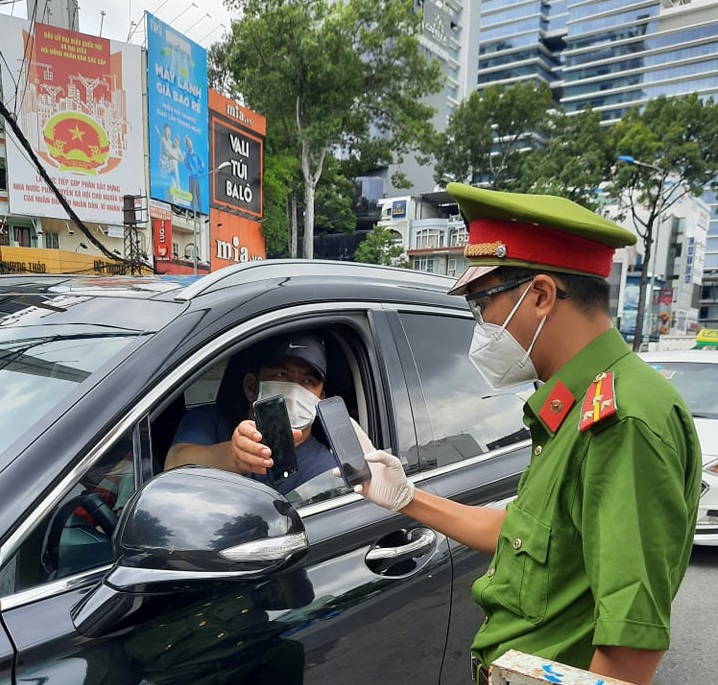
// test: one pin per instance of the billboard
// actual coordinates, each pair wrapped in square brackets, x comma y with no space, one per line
[76,101]
[234,240]
[398,209]
[237,144]
[177,117]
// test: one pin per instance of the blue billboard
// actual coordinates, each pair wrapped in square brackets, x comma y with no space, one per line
[177,118]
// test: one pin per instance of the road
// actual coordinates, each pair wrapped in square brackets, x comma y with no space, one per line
[691,659]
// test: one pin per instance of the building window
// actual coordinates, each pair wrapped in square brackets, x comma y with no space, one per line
[429,238]
[458,237]
[175,250]
[3,179]
[424,264]
[52,241]
[22,236]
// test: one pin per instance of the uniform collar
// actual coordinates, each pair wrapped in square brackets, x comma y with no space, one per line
[579,372]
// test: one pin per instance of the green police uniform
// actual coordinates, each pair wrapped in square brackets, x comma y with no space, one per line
[594,547]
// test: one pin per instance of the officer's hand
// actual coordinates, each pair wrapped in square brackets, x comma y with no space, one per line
[388,487]
[250,455]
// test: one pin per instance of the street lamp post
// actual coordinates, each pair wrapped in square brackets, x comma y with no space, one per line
[644,302]
[195,250]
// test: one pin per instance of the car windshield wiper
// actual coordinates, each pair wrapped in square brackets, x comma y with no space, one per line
[15,357]
[701,415]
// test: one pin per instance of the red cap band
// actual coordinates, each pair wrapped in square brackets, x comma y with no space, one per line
[547,247]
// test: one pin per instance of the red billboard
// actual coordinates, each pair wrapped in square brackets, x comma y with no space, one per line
[234,240]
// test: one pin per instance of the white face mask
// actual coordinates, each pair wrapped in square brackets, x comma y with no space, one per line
[301,403]
[499,357]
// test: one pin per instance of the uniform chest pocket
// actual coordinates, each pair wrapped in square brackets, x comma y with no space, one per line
[520,571]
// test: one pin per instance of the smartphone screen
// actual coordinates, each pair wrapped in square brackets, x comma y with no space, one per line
[343,441]
[270,415]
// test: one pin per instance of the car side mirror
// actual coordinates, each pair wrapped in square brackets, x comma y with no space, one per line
[187,526]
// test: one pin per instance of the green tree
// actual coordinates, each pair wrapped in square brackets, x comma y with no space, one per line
[281,173]
[488,134]
[669,149]
[336,77]
[573,159]
[381,246]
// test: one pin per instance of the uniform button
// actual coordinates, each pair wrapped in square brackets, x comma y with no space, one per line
[538,449]
[517,543]
[490,572]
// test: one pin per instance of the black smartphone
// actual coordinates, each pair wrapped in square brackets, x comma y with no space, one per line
[343,441]
[270,415]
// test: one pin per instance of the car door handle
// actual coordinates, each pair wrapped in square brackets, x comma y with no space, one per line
[419,542]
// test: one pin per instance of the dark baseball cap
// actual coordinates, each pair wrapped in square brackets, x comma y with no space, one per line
[305,346]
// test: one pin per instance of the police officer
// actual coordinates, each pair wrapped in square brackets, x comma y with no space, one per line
[588,558]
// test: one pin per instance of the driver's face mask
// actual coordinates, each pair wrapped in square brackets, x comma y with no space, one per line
[301,403]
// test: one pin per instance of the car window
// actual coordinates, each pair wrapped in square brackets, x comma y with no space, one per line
[467,418]
[696,382]
[214,402]
[76,535]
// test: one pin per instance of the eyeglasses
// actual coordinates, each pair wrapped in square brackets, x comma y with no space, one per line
[478,301]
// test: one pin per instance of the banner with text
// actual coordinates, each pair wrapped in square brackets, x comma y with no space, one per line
[234,240]
[76,100]
[237,136]
[177,103]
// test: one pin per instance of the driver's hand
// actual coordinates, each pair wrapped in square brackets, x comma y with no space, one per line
[388,487]
[248,452]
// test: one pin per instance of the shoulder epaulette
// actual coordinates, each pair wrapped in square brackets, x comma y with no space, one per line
[600,401]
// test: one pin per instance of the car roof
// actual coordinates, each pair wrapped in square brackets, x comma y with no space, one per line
[703,356]
[80,298]
[325,270]
[188,287]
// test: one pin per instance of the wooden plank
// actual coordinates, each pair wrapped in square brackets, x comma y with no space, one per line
[517,668]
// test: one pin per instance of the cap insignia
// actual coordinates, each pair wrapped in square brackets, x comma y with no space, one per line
[600,401]
[497,249]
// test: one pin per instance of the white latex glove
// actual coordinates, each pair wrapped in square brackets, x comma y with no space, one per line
[388,487]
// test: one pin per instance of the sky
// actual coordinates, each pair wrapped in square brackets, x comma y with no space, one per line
[200,20]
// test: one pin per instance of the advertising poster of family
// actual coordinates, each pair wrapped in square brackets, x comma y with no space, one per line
[178,111]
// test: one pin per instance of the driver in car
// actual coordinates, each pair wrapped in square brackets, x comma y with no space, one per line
[294,366]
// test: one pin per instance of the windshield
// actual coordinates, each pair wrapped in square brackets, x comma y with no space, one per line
[697,382]
[41,364]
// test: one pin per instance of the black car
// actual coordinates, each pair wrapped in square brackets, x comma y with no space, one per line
[115,571]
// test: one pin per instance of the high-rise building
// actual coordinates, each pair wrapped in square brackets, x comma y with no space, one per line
[450,33]
[611,55]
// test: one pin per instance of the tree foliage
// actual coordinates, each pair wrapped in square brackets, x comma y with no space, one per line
[673,143]
[381,247]
[572,159]
[488,134]
[335,77]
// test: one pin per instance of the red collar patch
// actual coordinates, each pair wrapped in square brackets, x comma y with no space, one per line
[556,407]
[600,401]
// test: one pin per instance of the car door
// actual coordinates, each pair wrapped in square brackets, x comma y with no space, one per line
[371,600]
[472,442]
